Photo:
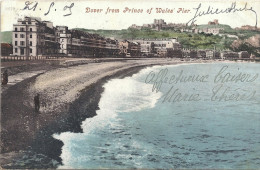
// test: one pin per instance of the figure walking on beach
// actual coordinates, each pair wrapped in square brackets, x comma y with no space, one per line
[5,78]
[37,102]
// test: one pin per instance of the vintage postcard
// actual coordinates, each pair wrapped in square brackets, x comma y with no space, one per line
[130,84]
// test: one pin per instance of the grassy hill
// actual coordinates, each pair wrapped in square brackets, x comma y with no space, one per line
[242,34]
[6,37]
[226,27]
[188,40]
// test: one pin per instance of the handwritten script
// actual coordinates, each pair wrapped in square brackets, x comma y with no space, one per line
[32,6]
[211,10]
[199,12]
[225,86]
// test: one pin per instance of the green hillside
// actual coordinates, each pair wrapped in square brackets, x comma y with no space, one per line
[242,34]
[226,27]
[188,40]
[6,37]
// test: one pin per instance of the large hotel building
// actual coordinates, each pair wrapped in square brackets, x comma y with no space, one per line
[33,37]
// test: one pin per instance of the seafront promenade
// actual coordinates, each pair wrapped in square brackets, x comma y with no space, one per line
[70,90]
[63,85]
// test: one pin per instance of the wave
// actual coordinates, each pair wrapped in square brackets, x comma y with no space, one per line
[121,95]
[127,132]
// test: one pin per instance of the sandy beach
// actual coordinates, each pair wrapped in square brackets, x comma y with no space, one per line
[68,93]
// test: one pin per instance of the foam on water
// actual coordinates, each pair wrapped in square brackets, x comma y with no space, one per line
[115,99]
[133,129]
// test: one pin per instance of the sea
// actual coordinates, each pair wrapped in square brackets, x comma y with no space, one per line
[173,116]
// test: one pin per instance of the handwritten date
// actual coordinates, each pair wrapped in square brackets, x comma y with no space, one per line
[32,6]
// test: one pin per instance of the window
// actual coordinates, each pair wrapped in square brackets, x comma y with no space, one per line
[30,50]
[22,42]
[30,35]
[21,36]
[30,29]
[30,43]
[15,50]
[15,43]
[15,35]
[21,29]
[23,22]
[22,51]
[15,29]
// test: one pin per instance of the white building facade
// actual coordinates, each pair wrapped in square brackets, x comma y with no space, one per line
[33,37]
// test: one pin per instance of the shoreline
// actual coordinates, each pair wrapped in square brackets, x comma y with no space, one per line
[85,106]
[41,141]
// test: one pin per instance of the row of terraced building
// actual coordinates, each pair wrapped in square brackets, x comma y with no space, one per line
[33,37]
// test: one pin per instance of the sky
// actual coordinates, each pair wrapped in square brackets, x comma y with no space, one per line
[79,17]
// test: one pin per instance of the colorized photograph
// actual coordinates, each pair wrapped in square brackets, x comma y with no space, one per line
[120,84]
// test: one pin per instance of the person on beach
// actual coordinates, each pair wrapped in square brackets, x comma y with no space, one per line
[37,102]
[5,78]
